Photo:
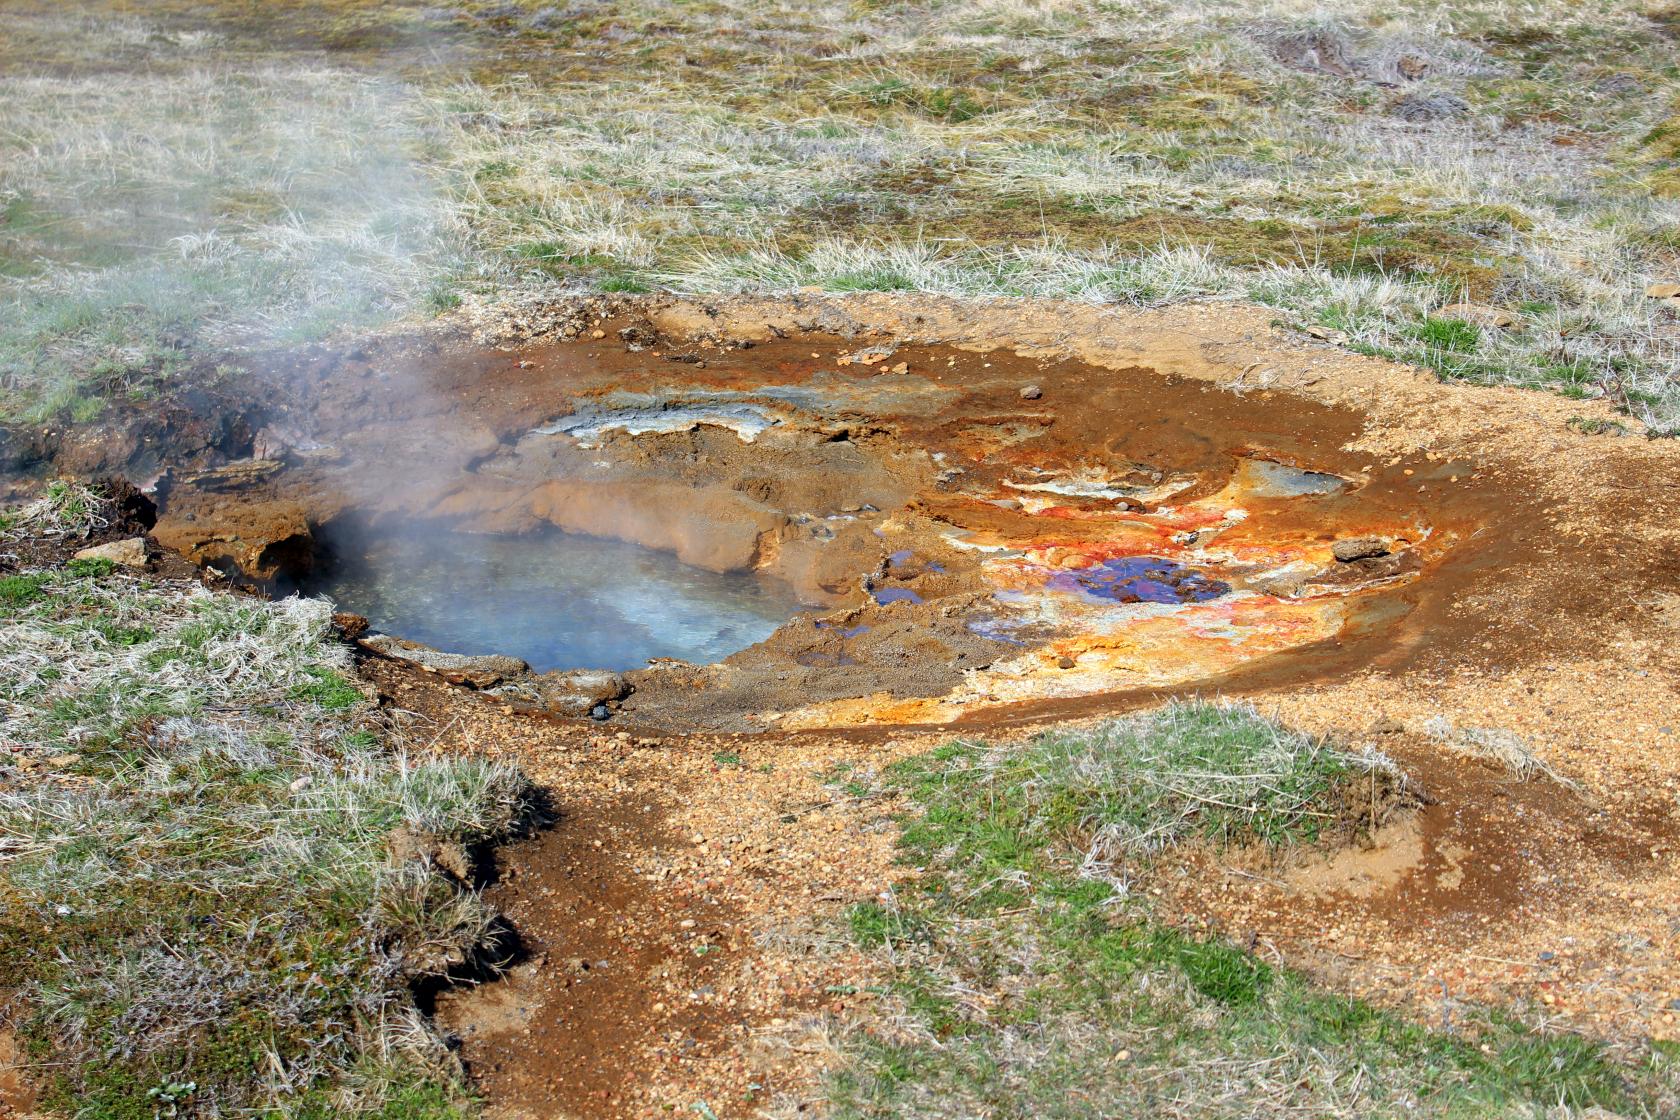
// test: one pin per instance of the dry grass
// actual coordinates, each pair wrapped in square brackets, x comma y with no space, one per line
[1355,167]
[202,912]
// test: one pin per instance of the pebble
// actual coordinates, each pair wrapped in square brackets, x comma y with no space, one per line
[1031,393]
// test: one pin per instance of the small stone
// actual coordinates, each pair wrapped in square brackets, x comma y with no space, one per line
[1663,291]
[130,553]
[600,713]
[1478,313]
[301,784]
[1360,548]
[1387,725]
[597,334]
[1065,662]
[1031,393]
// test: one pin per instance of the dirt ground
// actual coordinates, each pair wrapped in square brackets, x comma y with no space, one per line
[678,922]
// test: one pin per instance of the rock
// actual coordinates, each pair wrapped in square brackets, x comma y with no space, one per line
[1411,66]
[352,626]
[477,670]
[580,692]
[711,527]
[234,476]
[1327,334]
[262,540]
[639,336]
[1417,108]
[1663,291]
[1386,725]
[600,713]
[1065,662]
[1031,393]
[130,553]
[406,843]
[1316,48]
[1478,313]
[1359,548]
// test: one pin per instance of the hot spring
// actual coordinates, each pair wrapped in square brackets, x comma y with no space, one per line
[556,600]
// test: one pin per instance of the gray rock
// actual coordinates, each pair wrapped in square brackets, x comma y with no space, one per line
[478,670]
[1417,108]
[130,553]
[578,692]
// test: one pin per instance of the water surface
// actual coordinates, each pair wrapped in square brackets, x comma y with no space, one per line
[557,600]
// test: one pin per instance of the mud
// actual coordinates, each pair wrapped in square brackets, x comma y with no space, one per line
[977,535]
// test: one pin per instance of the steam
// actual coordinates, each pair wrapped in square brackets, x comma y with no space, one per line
[161,203]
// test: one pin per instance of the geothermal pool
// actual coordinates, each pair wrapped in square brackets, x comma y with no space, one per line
[556,600]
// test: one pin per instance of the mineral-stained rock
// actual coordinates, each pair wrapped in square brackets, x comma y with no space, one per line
[130,553]
[1360,548]
[578,692]
[234,476]
[477,670]
[261,540]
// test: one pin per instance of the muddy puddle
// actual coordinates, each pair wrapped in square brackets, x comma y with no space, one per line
[787,533]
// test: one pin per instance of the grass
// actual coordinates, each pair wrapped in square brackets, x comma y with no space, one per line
[1025,980]
[201,909]
[64,509]
[203,177]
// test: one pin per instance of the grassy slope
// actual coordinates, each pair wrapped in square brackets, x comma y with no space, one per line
[201,909]
[348,162]
[1025,980]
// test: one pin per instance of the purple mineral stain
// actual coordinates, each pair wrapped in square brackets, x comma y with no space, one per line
[1140,579]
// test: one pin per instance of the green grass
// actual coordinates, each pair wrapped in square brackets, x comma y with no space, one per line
[1025,980]
[205,918]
